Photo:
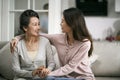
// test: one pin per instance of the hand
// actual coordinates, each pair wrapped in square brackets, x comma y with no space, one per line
[44,73]
[41,67]
[13,43]
[35,72]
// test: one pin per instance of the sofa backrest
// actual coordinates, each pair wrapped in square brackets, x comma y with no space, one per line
[5,61]
[108,62]
[2,43]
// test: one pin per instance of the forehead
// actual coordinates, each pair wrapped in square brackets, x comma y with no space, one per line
[34,19]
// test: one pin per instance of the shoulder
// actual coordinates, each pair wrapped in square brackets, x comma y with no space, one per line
[52,35]
[19,43]
[18,47]
[86,42]
[57,36]
[44,39]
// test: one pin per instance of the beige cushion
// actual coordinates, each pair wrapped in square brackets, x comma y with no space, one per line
[5,62]
[93,58]
[107,78]
[108,63]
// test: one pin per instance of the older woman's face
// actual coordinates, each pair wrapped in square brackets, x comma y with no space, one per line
[64,26]
[33,28]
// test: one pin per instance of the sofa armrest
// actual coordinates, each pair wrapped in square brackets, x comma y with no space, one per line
[2,78]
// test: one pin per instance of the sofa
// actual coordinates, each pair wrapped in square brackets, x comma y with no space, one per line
[106,66]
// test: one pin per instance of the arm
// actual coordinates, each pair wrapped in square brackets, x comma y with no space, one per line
[50,63]
[19,37]
[50,37]
[73,63]
[14,42]
[16,65]
[50,57]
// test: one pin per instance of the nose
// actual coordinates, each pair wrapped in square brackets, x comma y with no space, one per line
[38,27]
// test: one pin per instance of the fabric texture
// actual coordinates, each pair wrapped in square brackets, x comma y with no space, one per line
[93,58]
[22,63]
[73,58]
[109,56]
[5,62]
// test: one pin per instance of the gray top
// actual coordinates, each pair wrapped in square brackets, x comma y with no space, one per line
[22,63]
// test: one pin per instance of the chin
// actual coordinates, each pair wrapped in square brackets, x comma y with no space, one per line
[36,35]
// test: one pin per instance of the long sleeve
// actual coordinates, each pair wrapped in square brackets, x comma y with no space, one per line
[16,65]
[50,37]
[50,58]
[73,64]
[19,37]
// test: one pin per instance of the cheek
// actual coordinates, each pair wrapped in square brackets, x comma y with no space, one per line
[30,30]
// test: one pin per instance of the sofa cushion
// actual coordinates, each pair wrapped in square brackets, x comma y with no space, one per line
[93,58]
[5,62]
[107,78]
[109,56]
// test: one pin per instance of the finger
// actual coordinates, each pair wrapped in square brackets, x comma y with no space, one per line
[41,67]
[46,71]
[10,47]
[15,43]
[40,75]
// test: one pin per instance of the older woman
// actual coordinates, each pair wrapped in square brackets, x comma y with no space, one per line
[33,51]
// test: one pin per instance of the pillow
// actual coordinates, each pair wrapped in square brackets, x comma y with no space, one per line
[93,58]
[5,62]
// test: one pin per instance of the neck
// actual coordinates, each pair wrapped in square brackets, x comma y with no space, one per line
[70,38]
[31,39]
[31,43]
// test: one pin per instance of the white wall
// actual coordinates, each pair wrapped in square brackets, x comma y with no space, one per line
[100,26]
[0,17]
[117,5]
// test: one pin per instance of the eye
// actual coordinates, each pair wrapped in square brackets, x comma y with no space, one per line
[39,23]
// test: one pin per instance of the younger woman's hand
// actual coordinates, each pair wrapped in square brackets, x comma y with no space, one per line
[44,72]
[35,72]
[13,44]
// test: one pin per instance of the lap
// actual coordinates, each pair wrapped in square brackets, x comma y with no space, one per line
[49,78]
[61,78]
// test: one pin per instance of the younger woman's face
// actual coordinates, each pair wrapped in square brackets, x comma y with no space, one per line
[33,28]
[64,26]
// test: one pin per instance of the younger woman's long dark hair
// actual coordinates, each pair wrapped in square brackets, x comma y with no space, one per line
[75,19]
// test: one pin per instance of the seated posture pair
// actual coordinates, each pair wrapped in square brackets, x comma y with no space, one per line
[33,50]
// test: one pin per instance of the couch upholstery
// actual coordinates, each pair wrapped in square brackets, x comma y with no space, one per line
[106,67]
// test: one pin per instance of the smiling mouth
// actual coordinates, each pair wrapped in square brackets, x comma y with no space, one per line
[37,31]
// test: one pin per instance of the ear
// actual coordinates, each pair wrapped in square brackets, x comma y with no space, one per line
[25,29]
